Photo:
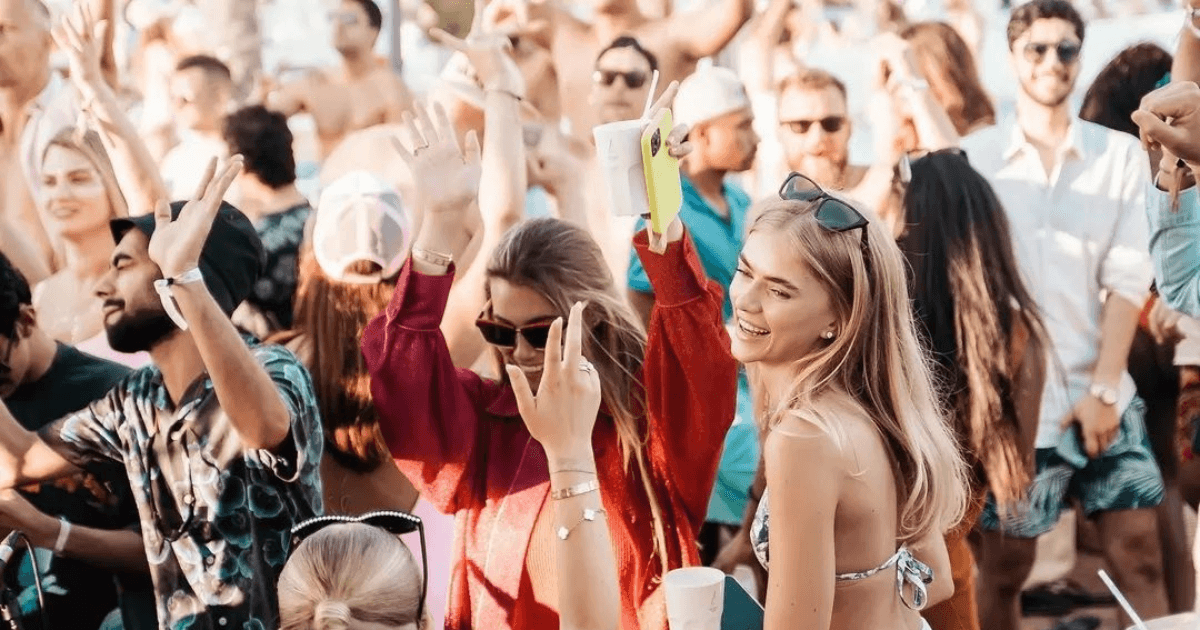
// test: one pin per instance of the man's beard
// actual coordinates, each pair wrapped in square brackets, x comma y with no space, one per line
[139,332]
[1046,103]
[826,171]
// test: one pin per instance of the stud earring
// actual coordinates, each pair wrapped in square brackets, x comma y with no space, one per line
[828,334]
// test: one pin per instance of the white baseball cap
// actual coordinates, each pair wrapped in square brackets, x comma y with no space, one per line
[708,93]
[360,218]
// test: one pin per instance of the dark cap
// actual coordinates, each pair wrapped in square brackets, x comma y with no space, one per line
[232,259]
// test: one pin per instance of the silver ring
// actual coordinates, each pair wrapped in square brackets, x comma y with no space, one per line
[586,366]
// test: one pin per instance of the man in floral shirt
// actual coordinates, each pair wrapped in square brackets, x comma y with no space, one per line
[220,439]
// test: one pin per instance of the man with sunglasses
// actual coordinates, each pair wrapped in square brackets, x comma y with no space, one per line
[201,96]
[814,128]
[84,526]
[621,81]
[363,92]
[1075,195]
[219,439]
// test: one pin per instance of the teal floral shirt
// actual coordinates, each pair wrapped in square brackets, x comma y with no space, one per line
[215,516]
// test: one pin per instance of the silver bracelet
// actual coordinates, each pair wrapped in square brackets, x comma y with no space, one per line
[64,532]
[589,515]
[576,490]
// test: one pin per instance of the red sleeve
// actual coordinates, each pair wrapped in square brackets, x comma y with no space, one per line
[427,407]
[689,375]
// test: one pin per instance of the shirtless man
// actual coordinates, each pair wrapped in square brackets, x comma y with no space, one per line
[677,41]
[363,92]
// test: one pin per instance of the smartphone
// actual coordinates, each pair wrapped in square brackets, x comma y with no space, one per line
[663,189]
[741,611]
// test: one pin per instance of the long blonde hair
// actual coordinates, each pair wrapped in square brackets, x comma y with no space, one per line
[349,571]
[876,359]
[88,143]
[563,264]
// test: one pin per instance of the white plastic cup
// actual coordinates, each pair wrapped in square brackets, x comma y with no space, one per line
[695,598]
[1182,621]
[619,156]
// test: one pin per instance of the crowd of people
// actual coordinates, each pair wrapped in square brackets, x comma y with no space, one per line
[870,391]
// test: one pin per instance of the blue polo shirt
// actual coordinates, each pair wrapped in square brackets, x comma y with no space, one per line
[718,240]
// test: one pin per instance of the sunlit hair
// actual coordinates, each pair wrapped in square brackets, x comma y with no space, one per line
[969,296]
[350,572]
[562,263]
[88,143]
[331,316]
[876,358]
[812,79]
[949,67]
[1118,90]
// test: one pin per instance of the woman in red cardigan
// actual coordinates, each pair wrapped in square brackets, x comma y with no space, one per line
[669,396]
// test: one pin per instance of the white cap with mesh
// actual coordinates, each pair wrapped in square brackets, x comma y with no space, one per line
[360,218]
[708,93]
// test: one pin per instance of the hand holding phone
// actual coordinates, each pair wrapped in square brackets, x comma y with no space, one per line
[663,188]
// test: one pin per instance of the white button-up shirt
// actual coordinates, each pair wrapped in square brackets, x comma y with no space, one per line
[1080,234]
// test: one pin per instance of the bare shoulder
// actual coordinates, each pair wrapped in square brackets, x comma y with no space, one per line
[804,441]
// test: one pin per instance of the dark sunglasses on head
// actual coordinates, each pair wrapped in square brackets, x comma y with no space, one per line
[397,523]
[633,80]
[830,124]
[904,168]
[831,213]
[505,335]
[1067,51]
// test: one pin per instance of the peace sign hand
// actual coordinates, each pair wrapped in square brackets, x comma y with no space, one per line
[176,245]
[489,53]
[562,415]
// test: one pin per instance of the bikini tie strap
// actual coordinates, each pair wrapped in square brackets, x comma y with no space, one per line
[913,576]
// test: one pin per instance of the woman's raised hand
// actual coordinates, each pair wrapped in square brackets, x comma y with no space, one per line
[490,54]
[77,35]
[562,414]
[445,175]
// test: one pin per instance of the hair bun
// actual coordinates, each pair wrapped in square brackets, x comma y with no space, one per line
[331,615]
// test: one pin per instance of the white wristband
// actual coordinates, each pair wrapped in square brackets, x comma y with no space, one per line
[64,532]
[163,287]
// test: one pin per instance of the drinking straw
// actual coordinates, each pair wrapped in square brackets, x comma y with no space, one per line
[650,96]
[1137,621]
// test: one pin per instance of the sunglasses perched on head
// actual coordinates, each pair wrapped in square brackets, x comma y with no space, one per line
[1067,51]
[904,167]
[633,80]
[505,335]
[397,523]
[829,124]
[831,213]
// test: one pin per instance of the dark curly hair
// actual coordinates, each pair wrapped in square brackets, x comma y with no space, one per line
[1118,90]
[263,138]
[14,293]
[374,16]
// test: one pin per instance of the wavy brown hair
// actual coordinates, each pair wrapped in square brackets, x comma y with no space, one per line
[562,263]
[331,317]
[949,67]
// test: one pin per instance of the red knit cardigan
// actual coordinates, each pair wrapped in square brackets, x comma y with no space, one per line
[460,440]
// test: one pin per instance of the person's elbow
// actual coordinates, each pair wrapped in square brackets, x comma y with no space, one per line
[268,430]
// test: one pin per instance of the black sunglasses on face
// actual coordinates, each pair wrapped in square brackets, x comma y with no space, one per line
[397,523]
[505,335]
[829,124]
[1067,51]
[904,167]
[633,80]
[832,214]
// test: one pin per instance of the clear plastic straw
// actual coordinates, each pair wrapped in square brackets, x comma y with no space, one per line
[650,96]
[1137,621]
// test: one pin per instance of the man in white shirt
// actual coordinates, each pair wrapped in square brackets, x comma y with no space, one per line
[1075,194]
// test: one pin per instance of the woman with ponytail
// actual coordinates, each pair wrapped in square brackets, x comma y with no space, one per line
[988,348]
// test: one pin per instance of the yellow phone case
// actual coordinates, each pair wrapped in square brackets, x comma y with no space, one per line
[663,189]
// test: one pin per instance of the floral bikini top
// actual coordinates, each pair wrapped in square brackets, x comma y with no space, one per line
[912,575]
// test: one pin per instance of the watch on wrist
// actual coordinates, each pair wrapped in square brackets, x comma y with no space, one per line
[1106,395]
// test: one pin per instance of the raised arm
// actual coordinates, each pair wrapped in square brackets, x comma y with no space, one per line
[705,31]
[137,174]
[502,181]
[561,417]
[1186,66]
[427,408]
